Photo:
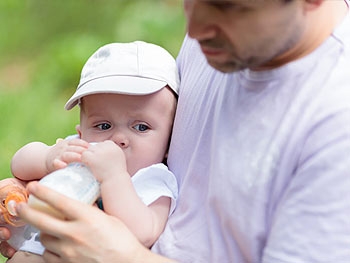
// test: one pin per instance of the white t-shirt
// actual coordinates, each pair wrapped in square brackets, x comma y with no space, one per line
[150,184]
[262,160]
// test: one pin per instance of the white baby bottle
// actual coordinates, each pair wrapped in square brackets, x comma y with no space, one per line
[75,181]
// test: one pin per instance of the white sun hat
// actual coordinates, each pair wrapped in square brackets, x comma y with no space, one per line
[136,68]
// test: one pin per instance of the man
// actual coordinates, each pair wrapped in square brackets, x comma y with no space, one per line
[261,144]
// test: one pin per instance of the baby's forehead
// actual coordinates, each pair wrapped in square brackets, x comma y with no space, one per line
[164,95]
[160,104]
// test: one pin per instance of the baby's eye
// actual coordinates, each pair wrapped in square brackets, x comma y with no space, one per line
[141,127]
[104,126]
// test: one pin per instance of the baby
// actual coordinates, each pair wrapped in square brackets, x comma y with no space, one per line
[127,97]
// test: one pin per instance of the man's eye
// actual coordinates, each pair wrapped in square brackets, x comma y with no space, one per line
[103,126]
[141,127]
[228,5]
[219,4]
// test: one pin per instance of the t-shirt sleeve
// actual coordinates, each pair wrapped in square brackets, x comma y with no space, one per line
[154,182]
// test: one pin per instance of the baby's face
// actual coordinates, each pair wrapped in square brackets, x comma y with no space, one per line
[140,125]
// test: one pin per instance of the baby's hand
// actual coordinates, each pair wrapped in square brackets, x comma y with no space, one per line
[64,152]
[105,159]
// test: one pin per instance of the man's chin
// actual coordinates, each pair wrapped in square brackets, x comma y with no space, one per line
[225,67]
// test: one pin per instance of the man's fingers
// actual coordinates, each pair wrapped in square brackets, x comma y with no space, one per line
[69,209]
[6,250]
[48,256]
[40,220]
[5,233]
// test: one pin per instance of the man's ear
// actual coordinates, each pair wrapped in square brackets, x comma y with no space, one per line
[312,4]
[77,128]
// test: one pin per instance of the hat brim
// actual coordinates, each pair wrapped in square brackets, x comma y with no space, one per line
[127,85]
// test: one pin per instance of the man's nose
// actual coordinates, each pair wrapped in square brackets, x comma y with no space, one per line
[199,24]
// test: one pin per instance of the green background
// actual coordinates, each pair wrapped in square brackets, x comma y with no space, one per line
[44,45]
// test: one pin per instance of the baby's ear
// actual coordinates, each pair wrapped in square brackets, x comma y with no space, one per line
[77,128]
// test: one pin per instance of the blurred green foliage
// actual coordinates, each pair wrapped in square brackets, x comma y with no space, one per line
[44,45]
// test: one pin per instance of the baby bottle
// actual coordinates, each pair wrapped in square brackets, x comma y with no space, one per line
[75,181]
[10,195]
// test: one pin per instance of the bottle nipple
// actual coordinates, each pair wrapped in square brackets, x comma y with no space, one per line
[10,196]
[12,199]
